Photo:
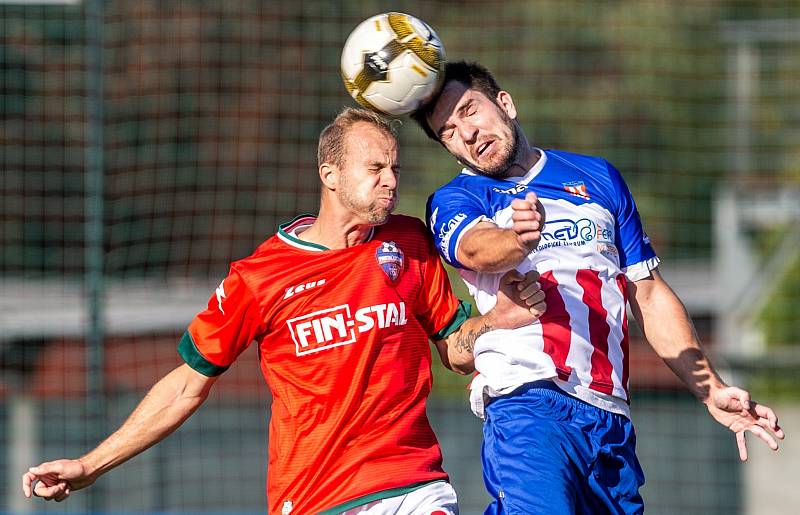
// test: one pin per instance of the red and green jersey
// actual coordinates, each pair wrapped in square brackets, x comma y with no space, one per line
[343,344]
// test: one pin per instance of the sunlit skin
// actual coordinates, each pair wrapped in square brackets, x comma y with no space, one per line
[369,178]
[360,193]
[480,133]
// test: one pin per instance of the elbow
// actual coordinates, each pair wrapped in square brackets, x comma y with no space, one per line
[490,263]
[463,369]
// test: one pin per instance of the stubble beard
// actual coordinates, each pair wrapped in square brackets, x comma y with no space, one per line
[371,212]
[502,169]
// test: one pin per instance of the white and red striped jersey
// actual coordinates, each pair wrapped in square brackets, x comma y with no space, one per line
[592,244]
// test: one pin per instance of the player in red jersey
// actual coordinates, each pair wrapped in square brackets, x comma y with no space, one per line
[341,306]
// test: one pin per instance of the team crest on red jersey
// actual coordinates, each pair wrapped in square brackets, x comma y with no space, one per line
[390,259]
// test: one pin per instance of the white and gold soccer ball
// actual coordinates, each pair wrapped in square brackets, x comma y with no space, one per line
[392,63]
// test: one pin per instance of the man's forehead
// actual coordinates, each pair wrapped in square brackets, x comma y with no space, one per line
[369,141]
[362,133]
[454,95]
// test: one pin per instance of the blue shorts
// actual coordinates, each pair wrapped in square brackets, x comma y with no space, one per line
[547,452]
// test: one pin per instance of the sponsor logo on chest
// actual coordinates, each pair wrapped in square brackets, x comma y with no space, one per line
[333,327]
[566,232]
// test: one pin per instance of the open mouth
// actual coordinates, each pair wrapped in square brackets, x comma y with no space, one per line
[484,147]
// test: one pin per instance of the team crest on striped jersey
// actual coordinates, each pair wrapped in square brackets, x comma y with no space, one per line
[390,259]
[577,188]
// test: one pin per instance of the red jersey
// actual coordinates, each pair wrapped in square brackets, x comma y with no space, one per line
[343,344]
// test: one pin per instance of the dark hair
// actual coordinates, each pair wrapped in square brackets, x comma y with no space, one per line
[472,75]
[332,138]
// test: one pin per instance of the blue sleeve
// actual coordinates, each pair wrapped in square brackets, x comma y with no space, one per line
[450,211]
[633,244]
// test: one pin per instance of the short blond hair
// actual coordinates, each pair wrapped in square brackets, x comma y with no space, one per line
[331,148]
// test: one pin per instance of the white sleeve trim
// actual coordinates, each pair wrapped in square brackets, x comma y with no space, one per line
[641,270]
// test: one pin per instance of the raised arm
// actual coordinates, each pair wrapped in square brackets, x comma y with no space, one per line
[520,301]
[165,407]
[488,248]
[669,330]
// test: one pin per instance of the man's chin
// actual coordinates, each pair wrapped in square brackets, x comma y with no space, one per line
[495,172]
[379,217]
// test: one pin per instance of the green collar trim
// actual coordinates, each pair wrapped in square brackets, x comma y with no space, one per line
[285,233]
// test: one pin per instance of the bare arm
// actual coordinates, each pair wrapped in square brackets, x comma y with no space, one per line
[488,248]
[165,407]
[669,330]
[520,301]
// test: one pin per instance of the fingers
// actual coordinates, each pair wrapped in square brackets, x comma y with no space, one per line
[45,481]
[538,309]
[57,492]
[531,294]
[511,277]
[765,436]
[528,220]
[526,210]
[744,397]
[515,276]
[532,276]
[28,479]
[740,442]
[767,419]
[63,495]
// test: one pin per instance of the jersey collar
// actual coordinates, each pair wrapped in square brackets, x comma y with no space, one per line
[525,179]
[287,232]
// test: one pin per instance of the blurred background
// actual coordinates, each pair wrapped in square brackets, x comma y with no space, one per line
[145,145]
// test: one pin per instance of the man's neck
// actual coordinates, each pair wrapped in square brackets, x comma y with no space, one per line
[333,233]
[526,159]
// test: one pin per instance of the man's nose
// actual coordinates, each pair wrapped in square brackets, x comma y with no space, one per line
[389,179]
[468,132]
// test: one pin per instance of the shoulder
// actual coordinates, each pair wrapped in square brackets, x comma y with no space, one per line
[593,175]
[403,224]
[467,191]
[591,165]
[409,234]
[465,181]
[268,254]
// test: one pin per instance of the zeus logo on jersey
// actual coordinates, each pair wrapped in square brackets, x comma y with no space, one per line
[298,288]
[333,327]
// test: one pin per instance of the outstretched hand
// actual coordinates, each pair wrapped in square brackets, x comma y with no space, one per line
[528,220]
[55,480]
[732,407]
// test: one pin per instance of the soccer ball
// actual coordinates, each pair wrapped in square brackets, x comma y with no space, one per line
[392,63]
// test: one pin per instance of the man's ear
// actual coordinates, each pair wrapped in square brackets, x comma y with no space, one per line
[329,175]
[506,103]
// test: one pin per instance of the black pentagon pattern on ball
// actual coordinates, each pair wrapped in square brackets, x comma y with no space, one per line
[376,64]
[375,67]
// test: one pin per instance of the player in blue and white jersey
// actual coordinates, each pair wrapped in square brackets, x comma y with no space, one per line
[554,394]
